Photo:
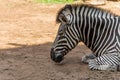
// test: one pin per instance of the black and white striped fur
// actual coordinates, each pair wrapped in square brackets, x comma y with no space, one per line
[98,29]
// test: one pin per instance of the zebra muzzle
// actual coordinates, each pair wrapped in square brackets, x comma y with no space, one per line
[57,57]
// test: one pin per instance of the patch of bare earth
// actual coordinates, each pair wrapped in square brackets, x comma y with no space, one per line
[27,30]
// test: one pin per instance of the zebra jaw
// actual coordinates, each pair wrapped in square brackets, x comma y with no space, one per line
[57,57]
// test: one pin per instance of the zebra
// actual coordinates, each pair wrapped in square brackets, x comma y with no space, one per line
[97,28]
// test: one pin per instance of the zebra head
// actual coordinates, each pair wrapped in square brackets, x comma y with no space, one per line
[66,38]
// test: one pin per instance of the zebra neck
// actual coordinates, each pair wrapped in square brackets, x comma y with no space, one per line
[89,32]
[92,29]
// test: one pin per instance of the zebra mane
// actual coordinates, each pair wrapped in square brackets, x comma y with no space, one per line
[70,6]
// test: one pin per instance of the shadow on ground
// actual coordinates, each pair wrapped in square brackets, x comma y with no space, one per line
[34,63]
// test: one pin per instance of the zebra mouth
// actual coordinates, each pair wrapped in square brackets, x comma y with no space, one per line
[57,57]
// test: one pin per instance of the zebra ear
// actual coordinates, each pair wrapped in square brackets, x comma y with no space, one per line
[64,15]
[62,18]
[68,6]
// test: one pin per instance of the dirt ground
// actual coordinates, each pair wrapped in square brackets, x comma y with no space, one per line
[27,31]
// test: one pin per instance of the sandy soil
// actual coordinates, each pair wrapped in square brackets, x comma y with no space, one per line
[27,31]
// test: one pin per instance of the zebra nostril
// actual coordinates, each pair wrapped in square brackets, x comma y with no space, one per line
[58,57]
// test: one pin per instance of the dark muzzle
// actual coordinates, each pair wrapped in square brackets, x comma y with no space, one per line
[57,57]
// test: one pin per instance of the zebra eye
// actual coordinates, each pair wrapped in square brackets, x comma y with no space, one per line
[60,32]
